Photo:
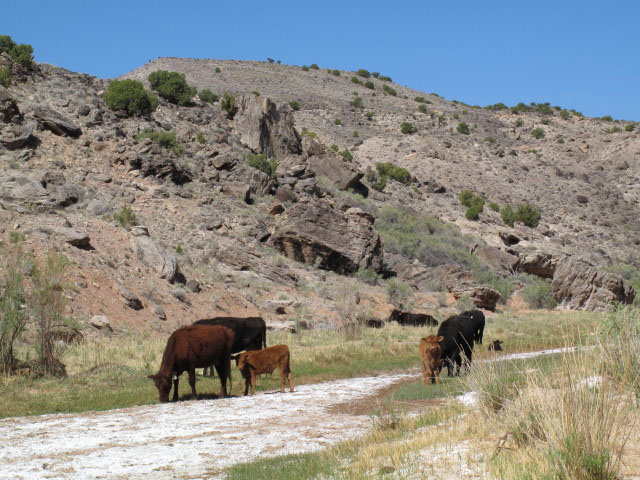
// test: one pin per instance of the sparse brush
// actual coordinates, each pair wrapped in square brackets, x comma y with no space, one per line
[495,383]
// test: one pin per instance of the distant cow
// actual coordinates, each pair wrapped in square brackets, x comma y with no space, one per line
[413,319]
[495,346]
[477,318]
[188,348]
[430,353]
[458,336]
[254,363]
[374,323]
[250,332]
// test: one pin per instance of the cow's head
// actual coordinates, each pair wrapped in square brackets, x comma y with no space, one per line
[394,315]
[163,384]
[241,359]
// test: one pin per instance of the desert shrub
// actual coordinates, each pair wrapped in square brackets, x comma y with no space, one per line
[496,107]
[422,108]
[544,121]
[607,118]
[398,174]
[270,60]
[388,90]
[629,127]
[494,206]
[256,93]
[166,140]
[368,276]
[228,104]
[305,68]
[490,140]
[335,73]
[294,105]
[218,70]
[262,163]
[125,217]
[473,212]
[355,134]
[346,154]
[309,133]
[384,78]
[201,138]
[537,133]
[375,74]
[20,53]
[380,184]
[5,77]
[508,215]
[518,123]
[421,100]
[314,66]
[335,147]
[369,85]
[565,115]
[456,116]
[399,292]
[528,215]
[614,129]
[495,383]
[538,294]
[620,338]
[465,197]
[542,108]
[520,107]
[130,96]
[369,115]
[356,102]
[13,318]
[356,80]
[172,86]
[363,73]
[463,128]
[337,122]
[464,303]
[408,128]
[207,96]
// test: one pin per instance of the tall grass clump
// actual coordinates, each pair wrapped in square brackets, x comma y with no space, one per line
[13,318]
[538,293]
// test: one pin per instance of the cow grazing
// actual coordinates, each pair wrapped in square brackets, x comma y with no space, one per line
[188,348]
[412,319]
[495,346]
[477,318]
[430,352]
[374,323]
[250,332]
[458,336]
[254,363]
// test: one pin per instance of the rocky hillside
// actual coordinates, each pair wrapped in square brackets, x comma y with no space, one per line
[158,237]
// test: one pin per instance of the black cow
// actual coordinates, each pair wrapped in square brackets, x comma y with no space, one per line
[250,332]
[413,319]
[374,323]
[458,336]
[477,319]
[496,346]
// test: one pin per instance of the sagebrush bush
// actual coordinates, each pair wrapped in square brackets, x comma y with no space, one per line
[518,123]
[356,80]
[357,102]
[172,86]
[314,66]
[399,293]
[565,115]
[201,138]
[369,115]
[528,215]
[607,118]
[537,133]
[335,147]
[368,276]
[422,108]
[369,85]
[208,96]
[294,105]
[537,293]
[465,197]
[125,217]
[363,73]
[228,104]
[385,78]
[346,154]
[463,128]
[262,163]
[494,206]
[408,128]
[398,174]
[388,90]
[5,77]
[508,215]
[130,96]
[305,68]
[496,107]
[20,53]
[335,73]
[166,140]
[629,127]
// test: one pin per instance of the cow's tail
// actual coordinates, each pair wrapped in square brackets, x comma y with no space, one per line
[264,338]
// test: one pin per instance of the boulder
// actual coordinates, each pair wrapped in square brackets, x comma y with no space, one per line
[130,298]
[161,166]
[52,120]
[578,285]
[101,322]
[9,111]
[317,234]
[537,263]
[19,189]
[12,139]
[158,311]
[497,259]
[68,235]
[328,163]
[285,195]
[483,296]
[244,259]
[152,255]
[264,128]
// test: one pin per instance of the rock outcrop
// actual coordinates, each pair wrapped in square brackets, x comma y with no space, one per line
[317,234]
[152,255]
[538,263]
[497,259]
[328,163]
[577,285]
[52,120]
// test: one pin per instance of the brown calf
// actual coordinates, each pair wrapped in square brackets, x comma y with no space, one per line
[194,347]
[254,363]
[430,352]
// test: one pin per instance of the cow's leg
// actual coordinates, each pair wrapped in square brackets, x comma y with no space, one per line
[282,380]
[424,372]
[253,383]
[290,378]
[176,381]
[247,381]
[220,368]
[192,382]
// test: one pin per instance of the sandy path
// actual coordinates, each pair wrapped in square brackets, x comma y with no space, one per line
[192,439]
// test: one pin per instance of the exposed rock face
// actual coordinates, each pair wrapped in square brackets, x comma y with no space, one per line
[152,255]
[52,120]
[130,298]
[244,260]
[319,235]
[9,112]
[577,285]
[483,296]
[328,163]
[538,263]
[265,128]
[69,235]
[499,260]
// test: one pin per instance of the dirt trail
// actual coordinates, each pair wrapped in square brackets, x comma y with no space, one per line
[192,439]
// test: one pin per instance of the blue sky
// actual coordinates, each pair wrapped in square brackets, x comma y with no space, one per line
[577,54]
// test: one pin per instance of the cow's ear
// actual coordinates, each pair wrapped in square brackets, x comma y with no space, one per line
[440,338]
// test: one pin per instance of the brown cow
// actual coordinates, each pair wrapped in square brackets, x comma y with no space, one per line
[256,362]
[192,347]
[430,352]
